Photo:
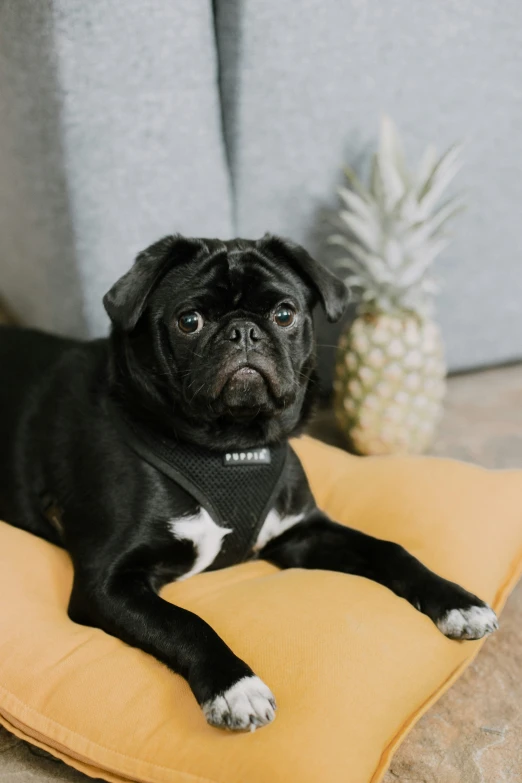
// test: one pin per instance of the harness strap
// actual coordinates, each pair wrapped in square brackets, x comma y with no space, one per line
[237,488]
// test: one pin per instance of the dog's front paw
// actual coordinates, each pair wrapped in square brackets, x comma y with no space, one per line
[245,706]
[472,622]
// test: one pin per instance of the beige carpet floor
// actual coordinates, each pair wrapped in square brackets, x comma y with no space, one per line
[474,733]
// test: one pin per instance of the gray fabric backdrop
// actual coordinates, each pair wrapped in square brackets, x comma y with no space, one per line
[304,86]
[111,135]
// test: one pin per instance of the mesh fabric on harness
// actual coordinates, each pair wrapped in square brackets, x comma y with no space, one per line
[237,488]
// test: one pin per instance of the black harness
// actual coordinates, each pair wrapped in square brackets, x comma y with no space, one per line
[236,488]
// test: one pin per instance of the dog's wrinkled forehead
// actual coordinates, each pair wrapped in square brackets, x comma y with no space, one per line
[233,275]
[238,270]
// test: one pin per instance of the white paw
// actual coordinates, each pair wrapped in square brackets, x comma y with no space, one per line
[246,705]
[472,623]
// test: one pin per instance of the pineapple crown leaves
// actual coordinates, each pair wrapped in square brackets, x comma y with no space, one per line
[392,231]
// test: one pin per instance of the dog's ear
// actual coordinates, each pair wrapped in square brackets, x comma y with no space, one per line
[331,291]
[126,300]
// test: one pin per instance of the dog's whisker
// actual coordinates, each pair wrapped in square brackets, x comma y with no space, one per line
[197,392]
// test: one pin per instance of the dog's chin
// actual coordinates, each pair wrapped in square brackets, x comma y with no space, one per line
[246,394]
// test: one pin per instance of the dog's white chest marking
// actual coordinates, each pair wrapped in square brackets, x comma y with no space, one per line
[206,536]
[273,526]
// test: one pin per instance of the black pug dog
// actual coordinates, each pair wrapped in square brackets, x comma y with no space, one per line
[163,451]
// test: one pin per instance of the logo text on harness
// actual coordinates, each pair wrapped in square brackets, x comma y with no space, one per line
[247,457]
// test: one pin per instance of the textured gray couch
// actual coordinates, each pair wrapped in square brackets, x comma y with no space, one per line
[123,121]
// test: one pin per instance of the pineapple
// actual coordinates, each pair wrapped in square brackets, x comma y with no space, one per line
[390,370]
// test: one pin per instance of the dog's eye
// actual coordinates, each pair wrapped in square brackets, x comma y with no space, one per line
[190,323]
[284,315]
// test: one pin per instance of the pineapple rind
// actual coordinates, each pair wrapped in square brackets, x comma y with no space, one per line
[390,383]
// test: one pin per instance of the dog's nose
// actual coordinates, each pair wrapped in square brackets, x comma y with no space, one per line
[245,333]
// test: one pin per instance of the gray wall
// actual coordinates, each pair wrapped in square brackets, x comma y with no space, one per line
[110,137]
[304,89]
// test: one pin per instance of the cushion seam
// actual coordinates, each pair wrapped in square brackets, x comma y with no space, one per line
[133,759]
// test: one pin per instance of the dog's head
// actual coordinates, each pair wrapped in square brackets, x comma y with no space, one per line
[218,336]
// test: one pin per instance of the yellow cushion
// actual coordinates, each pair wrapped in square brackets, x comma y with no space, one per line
[352,666]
